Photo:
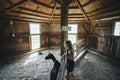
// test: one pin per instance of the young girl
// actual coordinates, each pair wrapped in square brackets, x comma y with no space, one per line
[69,55]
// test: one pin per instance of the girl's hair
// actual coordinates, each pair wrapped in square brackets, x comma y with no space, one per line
[69,43]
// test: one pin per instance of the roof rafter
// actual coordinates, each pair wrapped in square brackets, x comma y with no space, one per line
[43,4]
[50,20]
[68,1]
[10,2]
[45,14]
[80,6]
[29,14]
[58,1]
[22,17]
[29,20]
[15,6]
[70,14]
[106,7]
[91,1]
[106,15]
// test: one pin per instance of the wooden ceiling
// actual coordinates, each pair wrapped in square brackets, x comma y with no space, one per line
[47,11]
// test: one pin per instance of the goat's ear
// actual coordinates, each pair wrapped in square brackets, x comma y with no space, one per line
[50,53]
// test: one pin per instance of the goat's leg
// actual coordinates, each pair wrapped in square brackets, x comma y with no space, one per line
[70,77]
[66,76]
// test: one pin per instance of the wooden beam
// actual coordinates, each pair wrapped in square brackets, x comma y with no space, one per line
[84,14]
[89,2]
[38,12]
[85,29]
[94,29]
[23,8]
[107,6]
[43,4]
[23,17]
[76,21]
[50,20]
[10,2]
[68,1]
[70,18]
[106,15]
[70,7]
[104,10]
[15,6]
[72,15]
[29,14]
[58,1]
[29,21]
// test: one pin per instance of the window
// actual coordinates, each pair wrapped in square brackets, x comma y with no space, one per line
[34,28]
[35,35]
[35,40]
[117,29]
[73,28]
[72,33]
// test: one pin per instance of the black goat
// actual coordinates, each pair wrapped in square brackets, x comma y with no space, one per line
[55,69]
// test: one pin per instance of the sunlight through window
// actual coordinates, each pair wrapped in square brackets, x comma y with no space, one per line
[32,58]
[72,33]
[117,29]
[35,35]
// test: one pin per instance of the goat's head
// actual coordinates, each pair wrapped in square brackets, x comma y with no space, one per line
[49,56]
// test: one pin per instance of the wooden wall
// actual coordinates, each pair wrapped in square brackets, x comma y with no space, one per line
[15,38]
[83,29]
[98,36]
[44,36]
[55,35]
[101,39]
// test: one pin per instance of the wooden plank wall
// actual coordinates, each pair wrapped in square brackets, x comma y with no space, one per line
[55,35]
[15,38]
[83,30]
[44,35]
[101,39]
[98,37]
[115,46]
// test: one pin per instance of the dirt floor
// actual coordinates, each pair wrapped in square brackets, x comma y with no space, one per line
[29,67]
[94,67]
[35,67]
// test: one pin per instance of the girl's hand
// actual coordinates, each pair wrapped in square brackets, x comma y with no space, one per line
[64,56]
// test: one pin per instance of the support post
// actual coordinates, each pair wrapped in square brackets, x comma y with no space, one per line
[64,22]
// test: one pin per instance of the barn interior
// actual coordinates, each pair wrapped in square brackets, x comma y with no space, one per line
[30,26]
